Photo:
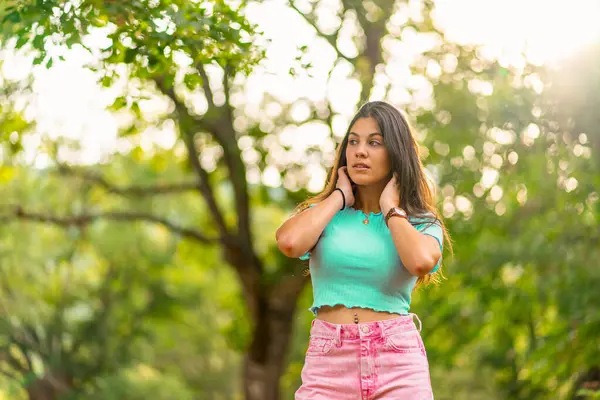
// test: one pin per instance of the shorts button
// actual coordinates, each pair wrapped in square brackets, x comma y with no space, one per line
[365,329]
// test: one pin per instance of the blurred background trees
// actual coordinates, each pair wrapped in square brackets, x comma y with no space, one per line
[151,268]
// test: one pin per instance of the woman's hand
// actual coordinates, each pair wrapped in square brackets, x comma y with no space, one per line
[343,182]
[390,197]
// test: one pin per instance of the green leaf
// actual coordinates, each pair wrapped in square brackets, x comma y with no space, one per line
[130,55]
[119,103]
[135,107]
[21,41]
[73,38]
[38,42]
[192,81]
[129,131]
[106,81]
[13,17]
[168,81]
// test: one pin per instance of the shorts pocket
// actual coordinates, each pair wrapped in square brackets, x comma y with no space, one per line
[318,346]
[405,342]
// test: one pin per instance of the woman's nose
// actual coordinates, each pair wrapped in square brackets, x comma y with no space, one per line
[361,151]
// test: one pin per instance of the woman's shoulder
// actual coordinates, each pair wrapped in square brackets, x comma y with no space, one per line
[423,218]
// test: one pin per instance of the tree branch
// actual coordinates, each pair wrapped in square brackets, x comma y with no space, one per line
[11,360]
[134,190]
[25,354]
[10,375]
[332,38]
[186,119]
[120,216]
[223,132]
[206,86]
[374,32]
[98,322]
[238,250]
[226,136]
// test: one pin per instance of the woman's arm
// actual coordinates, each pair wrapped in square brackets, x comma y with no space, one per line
[301,232]
[418,252]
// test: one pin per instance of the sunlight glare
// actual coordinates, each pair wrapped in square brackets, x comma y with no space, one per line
[546,30]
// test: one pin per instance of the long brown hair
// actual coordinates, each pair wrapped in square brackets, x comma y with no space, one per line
[416,188]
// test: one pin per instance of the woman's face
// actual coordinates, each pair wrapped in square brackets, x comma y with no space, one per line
[367,157]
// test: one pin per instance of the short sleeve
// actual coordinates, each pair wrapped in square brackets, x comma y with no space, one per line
[432,228]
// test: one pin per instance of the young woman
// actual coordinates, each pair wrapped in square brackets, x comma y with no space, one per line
[371,236]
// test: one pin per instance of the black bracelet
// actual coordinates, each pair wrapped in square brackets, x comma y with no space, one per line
[343,197]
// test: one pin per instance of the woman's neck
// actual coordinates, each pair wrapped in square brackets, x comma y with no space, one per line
[367,198]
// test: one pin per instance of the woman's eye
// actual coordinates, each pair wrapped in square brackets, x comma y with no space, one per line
[375,143]
[352,142]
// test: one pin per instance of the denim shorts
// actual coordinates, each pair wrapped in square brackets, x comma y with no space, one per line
[366,361]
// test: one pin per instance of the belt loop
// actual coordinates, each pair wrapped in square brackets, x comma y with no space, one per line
[338,335]
[382,329]
[415,316]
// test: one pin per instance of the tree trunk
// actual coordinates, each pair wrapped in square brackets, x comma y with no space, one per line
[50,387]
[590,380]
[265,361]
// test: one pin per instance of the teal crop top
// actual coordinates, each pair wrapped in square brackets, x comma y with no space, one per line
[357,265]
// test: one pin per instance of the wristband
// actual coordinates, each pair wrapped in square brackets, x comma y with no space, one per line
[343,197]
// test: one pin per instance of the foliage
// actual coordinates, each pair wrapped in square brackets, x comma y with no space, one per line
[513,148]
[521,187]
[92,301]
[142,385]
[144,34]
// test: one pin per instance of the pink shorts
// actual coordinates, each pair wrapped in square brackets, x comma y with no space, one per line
[368,361]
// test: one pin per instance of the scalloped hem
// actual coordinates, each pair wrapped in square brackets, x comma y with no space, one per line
[314,308]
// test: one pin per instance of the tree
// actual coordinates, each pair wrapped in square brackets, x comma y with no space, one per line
[519,176]
[146,36]
[88,307]
[488,153]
